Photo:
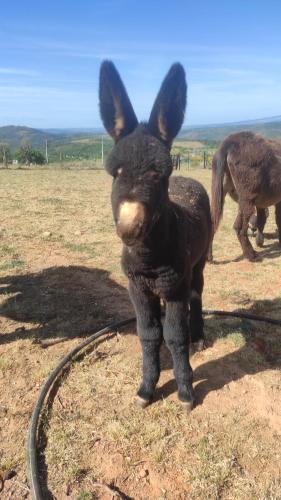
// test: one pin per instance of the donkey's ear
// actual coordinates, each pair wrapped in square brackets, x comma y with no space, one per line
[168,110]
[116,109]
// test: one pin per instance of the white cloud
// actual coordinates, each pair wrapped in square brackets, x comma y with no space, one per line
[18,71]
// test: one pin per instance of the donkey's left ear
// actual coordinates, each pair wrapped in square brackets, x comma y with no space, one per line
[168,110]
[116,109]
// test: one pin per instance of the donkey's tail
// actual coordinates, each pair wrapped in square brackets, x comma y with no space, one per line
[219,166]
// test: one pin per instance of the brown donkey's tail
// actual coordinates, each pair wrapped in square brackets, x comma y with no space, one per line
[219,166]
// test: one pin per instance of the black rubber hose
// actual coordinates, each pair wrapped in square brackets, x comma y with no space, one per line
[32,455]
[241,315]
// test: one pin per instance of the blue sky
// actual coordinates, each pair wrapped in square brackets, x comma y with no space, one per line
[50,53]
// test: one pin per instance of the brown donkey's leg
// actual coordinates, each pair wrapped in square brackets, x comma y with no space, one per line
[261,220]
[278,219]
[241,227]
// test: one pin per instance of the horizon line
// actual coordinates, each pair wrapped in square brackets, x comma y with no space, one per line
[266,119]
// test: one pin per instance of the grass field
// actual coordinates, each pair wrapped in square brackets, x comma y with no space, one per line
[60,279]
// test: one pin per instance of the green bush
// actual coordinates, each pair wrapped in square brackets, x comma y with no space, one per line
[27,155]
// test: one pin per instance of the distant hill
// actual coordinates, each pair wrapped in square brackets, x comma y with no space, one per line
[270,127]
[66,144]
[68,132]
[15,135]
[78,144]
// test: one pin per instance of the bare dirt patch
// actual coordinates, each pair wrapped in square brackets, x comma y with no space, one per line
[60,278]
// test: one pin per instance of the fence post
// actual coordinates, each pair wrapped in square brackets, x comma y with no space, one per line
[204,160]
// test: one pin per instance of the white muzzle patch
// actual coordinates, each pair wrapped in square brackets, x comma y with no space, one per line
[131,213]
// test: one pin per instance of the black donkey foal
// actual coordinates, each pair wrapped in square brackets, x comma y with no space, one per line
[165,242]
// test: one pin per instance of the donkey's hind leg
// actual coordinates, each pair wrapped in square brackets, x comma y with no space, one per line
[261,220]
[241,227]
[150,332]
[278,219]
[196,319]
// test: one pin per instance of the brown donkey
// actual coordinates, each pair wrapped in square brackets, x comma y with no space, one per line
[248,167]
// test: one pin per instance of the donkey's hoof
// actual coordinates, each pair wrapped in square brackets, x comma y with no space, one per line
[253,257]
[198,346]
[256,258]
[187,406]
[141,402]
[259,240]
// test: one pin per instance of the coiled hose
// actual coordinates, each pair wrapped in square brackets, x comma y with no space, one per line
[32,452]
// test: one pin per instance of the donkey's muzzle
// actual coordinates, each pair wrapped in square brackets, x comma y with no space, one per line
[130,221]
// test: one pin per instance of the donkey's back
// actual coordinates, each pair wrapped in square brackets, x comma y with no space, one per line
[193,200]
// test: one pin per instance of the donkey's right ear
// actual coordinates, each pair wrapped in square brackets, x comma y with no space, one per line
[168,110]
[116,110]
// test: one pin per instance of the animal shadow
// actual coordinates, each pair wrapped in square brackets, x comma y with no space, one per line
[64,302]
[268,251]
[259,349]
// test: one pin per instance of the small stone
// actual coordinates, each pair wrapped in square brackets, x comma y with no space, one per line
[3,410]
[9,475]
[67,489]
[77,233]
[143,473]
[20,329]
[46,235]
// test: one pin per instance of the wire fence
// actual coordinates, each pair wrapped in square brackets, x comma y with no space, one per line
[192,159]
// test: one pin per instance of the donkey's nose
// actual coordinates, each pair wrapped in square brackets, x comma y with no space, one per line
[130,219]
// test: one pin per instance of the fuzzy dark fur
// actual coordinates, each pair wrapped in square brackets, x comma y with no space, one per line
[248,167]
[164,255]
[257,220]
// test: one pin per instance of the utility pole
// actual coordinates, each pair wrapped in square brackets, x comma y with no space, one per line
[102,150]
[47,159]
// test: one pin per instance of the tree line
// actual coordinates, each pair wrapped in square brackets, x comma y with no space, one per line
[26,155]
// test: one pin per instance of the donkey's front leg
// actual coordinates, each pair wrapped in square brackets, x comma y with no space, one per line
[176,335]
[278,219]
[261,220]
[149,327]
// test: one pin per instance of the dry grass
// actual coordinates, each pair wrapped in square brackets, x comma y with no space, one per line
[60,277]
[189,144]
